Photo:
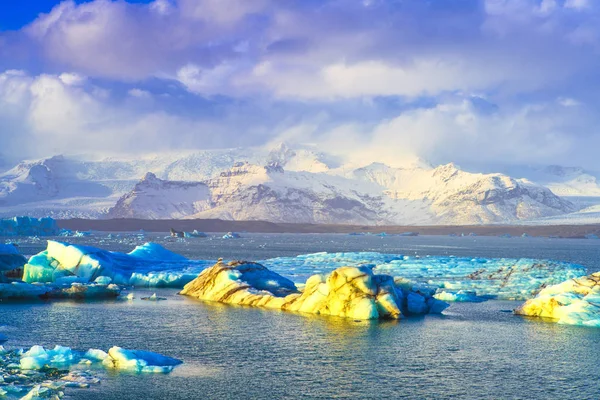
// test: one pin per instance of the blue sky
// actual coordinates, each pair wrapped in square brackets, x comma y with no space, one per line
[476,82]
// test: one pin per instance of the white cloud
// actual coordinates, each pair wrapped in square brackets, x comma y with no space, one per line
[72,79]
[568,102]
[139,93]
[577,4]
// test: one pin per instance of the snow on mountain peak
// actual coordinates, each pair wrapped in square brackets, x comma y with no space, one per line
[282,183]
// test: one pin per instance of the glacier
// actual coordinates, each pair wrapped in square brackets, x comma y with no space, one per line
[147,265]
[28,226]
[503,278]
[45,372]
[348,292]
[573,302]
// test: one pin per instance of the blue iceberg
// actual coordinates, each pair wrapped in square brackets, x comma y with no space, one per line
[44,373]
[28,226]
[147,265]
[10,259]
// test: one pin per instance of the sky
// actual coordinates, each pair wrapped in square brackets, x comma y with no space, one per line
[477,82]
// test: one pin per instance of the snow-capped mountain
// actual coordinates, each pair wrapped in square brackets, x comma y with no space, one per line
[563,181]
[376,194]
[154,198]
[456,196]
[278,183]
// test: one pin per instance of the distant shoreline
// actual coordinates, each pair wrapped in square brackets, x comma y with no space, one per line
[217,225]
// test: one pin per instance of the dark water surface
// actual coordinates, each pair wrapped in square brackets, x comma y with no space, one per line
[473,351]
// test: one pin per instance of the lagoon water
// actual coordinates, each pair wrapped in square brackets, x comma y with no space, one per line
[473,351]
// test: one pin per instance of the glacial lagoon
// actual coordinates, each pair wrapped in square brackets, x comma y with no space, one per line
[473,350]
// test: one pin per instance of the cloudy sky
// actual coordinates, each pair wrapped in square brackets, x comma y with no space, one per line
[477,82]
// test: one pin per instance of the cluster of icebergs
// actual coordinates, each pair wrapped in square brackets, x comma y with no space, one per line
[44,373]
[502,278]
[383,285]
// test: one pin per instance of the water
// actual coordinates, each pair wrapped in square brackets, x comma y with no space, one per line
[473,351]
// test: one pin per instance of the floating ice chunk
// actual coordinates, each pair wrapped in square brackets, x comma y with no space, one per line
[21,290]
[139,361]
[459,296]
[194,234]
[231,235]
[154,251]
[351,292]
[142,266]
[96,355]
[154,297]
[103,280]
[37,357]
[573,302]
[26,291]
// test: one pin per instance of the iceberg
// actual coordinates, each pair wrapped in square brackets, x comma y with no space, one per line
[62,290]
[27,226]
[37,358]
[10,260]
[349,292]
[147,265]
[139,361]
[44,373]
[231,235]
[465,296]
[503,278]
[573,302]
[194,234]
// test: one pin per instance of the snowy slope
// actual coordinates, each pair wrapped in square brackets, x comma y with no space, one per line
[153,198]
[275,183]
[563,181]
[459,197]
[376,194]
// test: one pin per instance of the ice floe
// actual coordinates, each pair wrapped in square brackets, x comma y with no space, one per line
[504,278]
[351,292]
[573,302]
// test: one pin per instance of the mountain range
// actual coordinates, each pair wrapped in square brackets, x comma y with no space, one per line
[292,184]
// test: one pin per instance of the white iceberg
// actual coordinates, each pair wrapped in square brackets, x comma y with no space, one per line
[350,292]
[27,226]
[503,278]
[147,265]
[573,302]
